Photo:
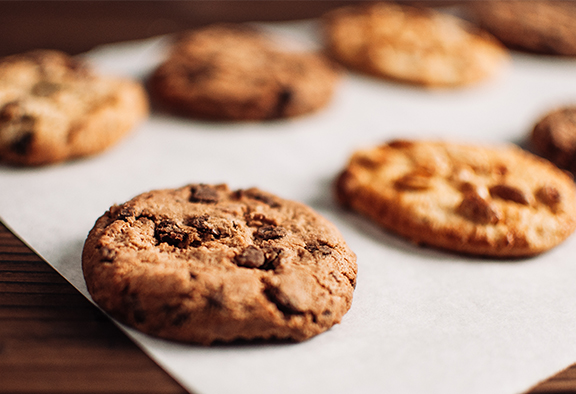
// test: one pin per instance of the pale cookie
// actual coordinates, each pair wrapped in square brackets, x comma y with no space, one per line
[491,201]
[537,26]
[414,45]
[203,263]
[54,108]
[554,137]
[234,72]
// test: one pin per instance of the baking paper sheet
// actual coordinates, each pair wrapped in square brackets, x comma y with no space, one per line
[422,321]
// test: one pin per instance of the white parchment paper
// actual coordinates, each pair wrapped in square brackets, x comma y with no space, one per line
[422,321]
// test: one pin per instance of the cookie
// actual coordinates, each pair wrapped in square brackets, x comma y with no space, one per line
[410,44]
[479,200]
[554,137]
[54,108]
[234,72]
[203,263]
[537,26]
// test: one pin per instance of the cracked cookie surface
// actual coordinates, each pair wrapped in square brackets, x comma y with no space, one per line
[233,72]
[491,201]
[54,108]
[411,44]
[203,263]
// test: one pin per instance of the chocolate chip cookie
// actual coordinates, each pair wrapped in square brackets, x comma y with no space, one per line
[537,26]
[203,263]
[490,201]
[234,72]
[54,108]
[411,44]
[554,137]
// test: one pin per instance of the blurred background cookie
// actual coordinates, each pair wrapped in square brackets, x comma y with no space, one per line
[54,108]
[411,44]
[554,137]
[234,72]
[539,26]
[489,201]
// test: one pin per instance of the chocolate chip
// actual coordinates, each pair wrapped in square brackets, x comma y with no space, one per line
[285,96]
[477,209]
[273,257]
[203,194]
[206,229]
[180,319]
[270,232]
[257,195]
[22,144]
[509,193]
[251,257]
[169,232]
[320,247]
[200,223]
[125,213]
[549,195]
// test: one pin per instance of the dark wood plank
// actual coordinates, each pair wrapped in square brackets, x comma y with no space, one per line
[53,340]
[563,382]
[77,26]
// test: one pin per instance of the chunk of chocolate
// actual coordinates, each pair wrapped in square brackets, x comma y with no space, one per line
[478,210]
[257,195]
[285,96]
[270,232]
[251,257]
[509,193]
[203,194]
[549,195]
[22,144]
[169,232]
[318,246]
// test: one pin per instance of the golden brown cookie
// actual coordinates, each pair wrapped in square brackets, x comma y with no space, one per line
[554,137]
[537,26]
[491,201]
[54,108]
[410,44]
[234,72]
[203,263]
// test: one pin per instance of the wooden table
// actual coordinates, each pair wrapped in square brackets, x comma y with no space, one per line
[53,340]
